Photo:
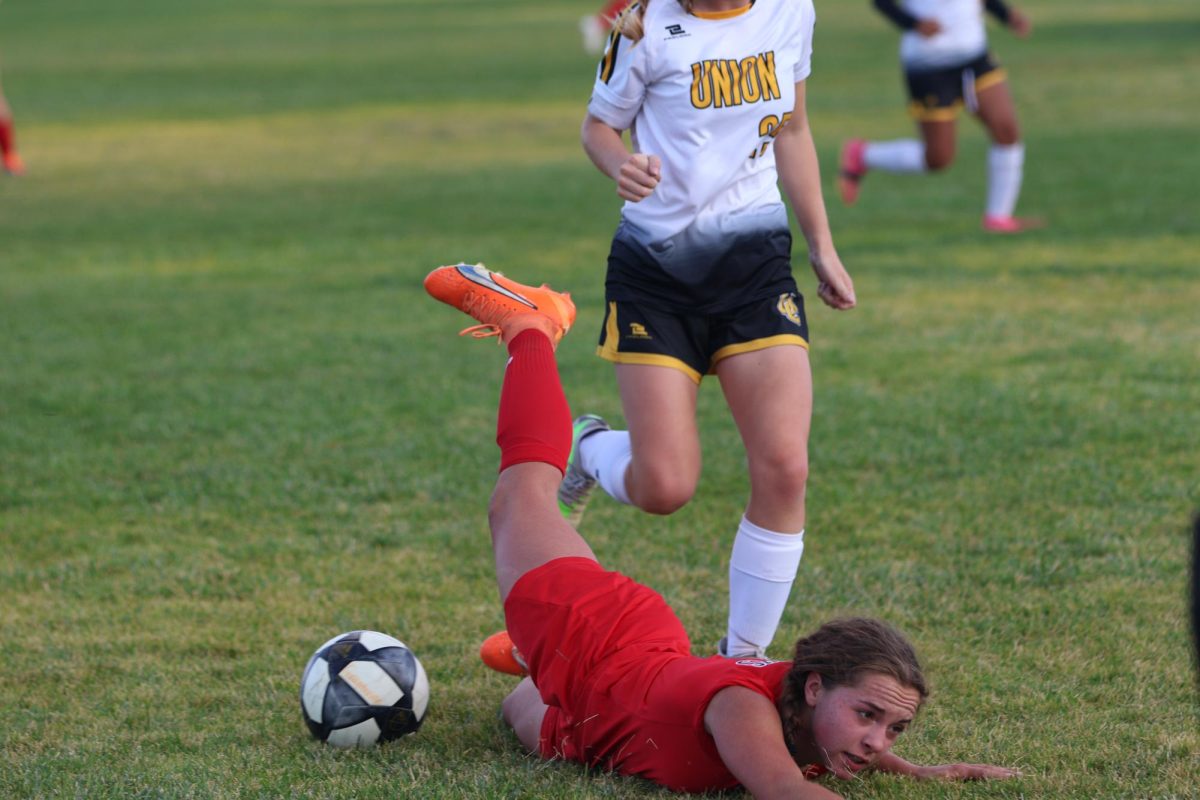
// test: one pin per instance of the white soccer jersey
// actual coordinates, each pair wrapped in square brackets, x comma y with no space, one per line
[963,36]
[706,95]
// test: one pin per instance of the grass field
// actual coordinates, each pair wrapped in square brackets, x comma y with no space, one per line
[232,425]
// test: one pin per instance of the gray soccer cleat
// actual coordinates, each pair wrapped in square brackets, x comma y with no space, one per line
[576,484]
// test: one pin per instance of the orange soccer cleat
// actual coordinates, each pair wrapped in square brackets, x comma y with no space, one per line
[500,654]
[503,307]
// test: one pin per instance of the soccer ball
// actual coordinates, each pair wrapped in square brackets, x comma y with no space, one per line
[361,688]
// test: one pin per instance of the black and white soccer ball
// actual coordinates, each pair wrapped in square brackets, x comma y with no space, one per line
[361,688]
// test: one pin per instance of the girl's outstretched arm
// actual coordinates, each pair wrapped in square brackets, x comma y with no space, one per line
[890,762]
[749,736]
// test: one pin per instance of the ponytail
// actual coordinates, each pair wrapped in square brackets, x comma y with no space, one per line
[629,22]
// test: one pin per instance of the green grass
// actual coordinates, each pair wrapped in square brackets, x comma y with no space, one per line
[232,426]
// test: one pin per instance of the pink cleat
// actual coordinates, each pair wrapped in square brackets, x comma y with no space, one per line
[851,169]
[995,223]
[13,164]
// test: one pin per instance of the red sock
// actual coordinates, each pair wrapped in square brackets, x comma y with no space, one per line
[6,136]
[534,423]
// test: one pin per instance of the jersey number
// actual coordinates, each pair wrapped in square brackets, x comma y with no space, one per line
[768,128]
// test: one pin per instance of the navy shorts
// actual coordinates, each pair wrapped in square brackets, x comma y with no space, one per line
[937,95]
[642,333]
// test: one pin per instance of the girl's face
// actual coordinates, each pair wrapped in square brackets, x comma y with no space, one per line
[853,725]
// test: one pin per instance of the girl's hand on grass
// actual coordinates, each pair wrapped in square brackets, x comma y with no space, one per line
[966,772]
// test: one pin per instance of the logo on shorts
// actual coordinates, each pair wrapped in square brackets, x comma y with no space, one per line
[788,309]
[638,331]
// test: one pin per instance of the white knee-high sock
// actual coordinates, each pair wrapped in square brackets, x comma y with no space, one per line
[761,571]
[898,155]
[606,455]
[1006,168]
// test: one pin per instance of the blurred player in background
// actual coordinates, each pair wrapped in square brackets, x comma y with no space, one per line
[947,65]
[700,276]
[9,160]
[596,27]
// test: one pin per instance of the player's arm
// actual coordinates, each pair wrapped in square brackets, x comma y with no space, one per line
[899,17]
[636,174]
[906,21]
[890,762]
[800,176]
[1009,16]
[749,737]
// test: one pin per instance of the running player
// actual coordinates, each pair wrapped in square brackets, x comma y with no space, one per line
[9,160]
[947,64]
[612,682]
[700,275]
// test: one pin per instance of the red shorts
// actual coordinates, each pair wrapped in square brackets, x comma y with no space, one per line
[574,621]
[614,667]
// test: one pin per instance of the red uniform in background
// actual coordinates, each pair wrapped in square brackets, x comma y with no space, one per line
[595,27]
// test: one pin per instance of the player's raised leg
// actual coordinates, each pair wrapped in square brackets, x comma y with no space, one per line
[655,464]
[534,422]
[660,409]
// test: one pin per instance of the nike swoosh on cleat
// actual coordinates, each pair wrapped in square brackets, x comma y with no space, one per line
[479,274]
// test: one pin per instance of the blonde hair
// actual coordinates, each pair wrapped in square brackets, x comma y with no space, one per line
[629,21]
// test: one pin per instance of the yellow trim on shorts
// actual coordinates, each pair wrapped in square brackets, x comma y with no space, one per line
[650,360]
[757,344]
[609,352]
[940,114]
[989,80]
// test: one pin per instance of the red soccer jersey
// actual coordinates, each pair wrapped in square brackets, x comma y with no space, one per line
[614,666]
[640,723]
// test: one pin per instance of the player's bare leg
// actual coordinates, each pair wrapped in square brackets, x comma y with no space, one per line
[523,710]
[940,137]
[534,422]
[660,409]
[998,113]
[527,528]
[769,393]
